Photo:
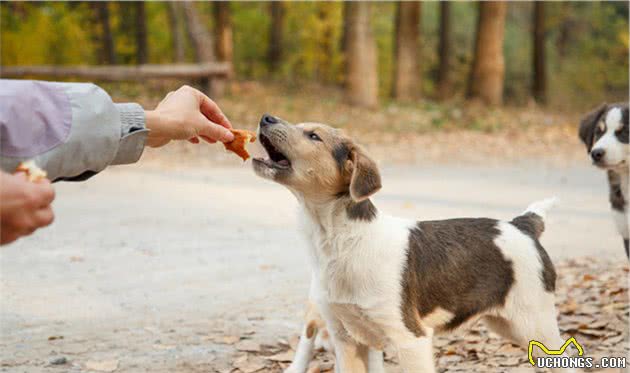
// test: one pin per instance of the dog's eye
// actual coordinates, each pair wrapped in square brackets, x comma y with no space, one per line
[313,136]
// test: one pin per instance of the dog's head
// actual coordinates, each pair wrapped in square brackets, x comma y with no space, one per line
[604,131]
[315,161]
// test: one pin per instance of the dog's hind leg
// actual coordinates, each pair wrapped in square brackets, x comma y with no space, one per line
[538,326]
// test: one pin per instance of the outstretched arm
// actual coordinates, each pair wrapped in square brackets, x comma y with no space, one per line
[74,130]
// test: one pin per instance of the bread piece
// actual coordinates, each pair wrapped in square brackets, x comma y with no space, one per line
[33,173]
[241,137]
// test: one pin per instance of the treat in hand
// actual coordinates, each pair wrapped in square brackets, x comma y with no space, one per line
[241,137]
[33,173]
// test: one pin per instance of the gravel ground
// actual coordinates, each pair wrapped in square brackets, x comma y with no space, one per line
[157,269]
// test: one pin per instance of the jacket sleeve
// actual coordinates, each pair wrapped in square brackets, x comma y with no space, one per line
[71,130]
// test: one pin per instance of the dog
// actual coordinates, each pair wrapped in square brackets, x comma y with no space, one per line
[379,280]
[604,131]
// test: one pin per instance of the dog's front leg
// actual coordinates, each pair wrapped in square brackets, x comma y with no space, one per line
[376,363]
[350,357]
[304,351]
[416,355]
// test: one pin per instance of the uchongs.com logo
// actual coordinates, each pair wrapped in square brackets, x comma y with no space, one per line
[554,359]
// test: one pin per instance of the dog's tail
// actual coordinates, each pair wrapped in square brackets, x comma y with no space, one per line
[532,220]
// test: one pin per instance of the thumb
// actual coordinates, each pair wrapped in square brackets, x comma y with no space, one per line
[216,132]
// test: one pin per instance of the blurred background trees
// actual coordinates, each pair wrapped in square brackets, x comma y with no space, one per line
[562,54]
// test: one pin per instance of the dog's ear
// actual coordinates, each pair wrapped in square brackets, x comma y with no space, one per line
[365,179]
[588,124]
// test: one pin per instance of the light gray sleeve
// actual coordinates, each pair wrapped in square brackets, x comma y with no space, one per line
[71,130]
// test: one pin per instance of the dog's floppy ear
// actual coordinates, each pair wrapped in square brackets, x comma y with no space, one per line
[365,178]
[588,124]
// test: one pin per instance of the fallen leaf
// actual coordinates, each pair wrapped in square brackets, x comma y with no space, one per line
[248,345]
[250,365]
[102,366]
[286,356]
[230,339]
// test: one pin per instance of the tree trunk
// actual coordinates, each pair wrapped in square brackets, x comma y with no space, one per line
[142,52]
[223,31]
[407,82]
[444,79]
[201,39]
[539,88]
[361,62]
[566,29]
[176,31]
[276,27]
[107,54]
[202,43]
[488,69]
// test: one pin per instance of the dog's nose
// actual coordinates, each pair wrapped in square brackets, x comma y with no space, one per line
[268,119]
[598,154]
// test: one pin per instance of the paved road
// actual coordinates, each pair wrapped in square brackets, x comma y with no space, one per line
[143,256]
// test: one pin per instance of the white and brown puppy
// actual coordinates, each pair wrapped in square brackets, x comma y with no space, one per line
[604,131]
[380,280]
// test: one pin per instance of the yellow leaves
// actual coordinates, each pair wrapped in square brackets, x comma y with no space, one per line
[46,34]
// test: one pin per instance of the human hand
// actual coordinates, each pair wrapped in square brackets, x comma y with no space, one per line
[187,114]
[24,206]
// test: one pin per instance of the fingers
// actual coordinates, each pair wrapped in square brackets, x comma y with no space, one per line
[215,132]
[211,110]
[208,140]
[194,140]
[46,192]
[43,217]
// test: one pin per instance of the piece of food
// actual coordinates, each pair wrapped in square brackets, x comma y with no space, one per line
[241,137]
[33,173]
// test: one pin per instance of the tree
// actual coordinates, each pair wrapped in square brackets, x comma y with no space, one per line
[177,38]
[201,39]
[142,52]
[223,31]
[202,43]
[276,27]
[444,69]
[488,69]
[539,87]
[407,81]
[107,53]
[361,62]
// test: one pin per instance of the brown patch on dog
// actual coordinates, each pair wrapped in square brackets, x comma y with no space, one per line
[454,265]
[241,138]
[365,179]
[588,125]
[311,329]
[615,196]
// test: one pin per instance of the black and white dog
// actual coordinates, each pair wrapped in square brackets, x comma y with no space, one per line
[604,131]
[380,280]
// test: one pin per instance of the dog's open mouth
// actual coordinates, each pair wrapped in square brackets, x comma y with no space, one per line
[276,158]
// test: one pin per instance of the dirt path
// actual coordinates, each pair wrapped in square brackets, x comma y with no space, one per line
[151,269]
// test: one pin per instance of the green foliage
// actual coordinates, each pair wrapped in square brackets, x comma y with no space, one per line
[44,33]
[587,43]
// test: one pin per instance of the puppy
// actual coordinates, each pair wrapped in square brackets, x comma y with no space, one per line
[378,279]
[604,131]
